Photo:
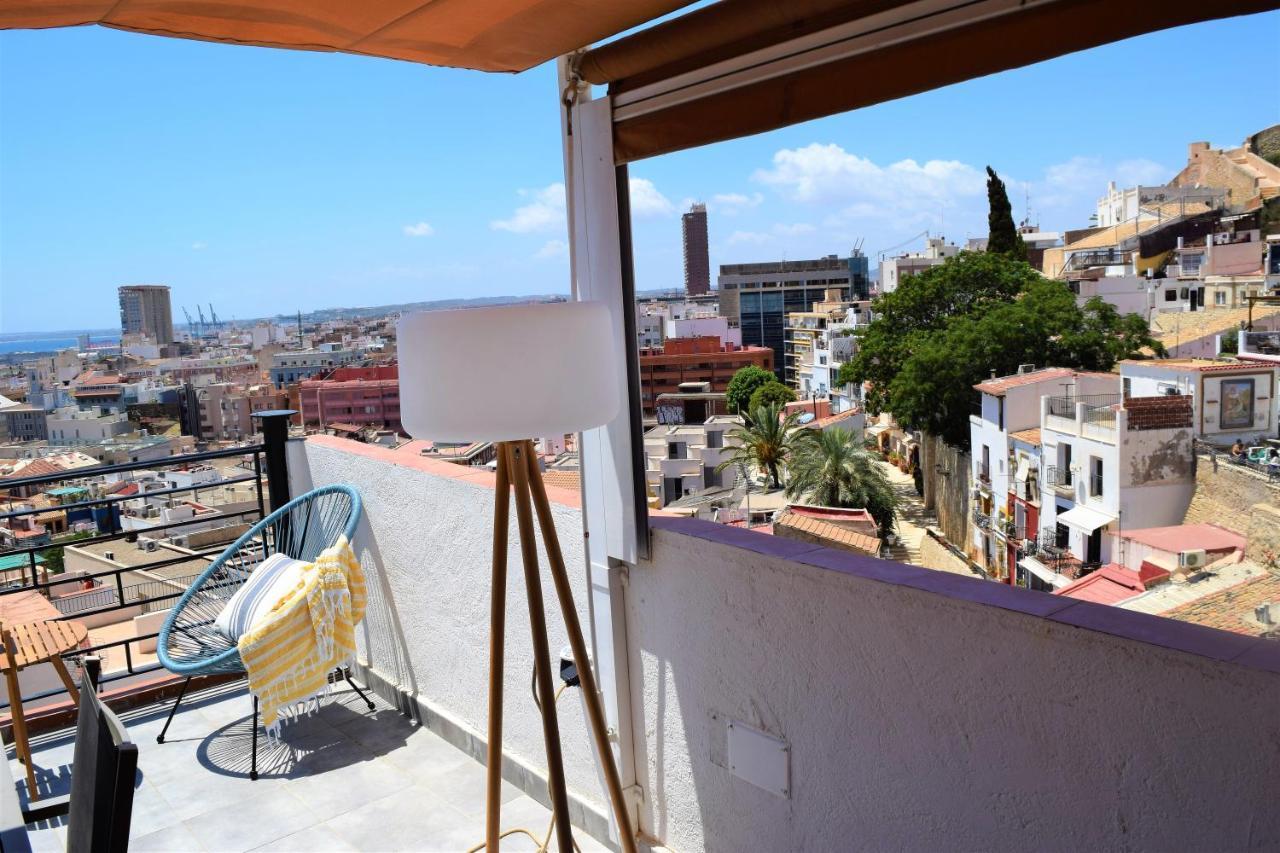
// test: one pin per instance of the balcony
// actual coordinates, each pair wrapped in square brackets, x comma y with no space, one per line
[711,647]
[1089,415]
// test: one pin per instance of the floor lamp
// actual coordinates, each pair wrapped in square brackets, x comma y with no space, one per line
[508,375]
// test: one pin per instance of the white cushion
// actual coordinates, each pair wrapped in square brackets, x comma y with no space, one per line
[270,581]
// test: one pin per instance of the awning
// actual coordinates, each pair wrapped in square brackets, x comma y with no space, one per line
[1043,572]
[741,67]
[488,35]
[728,69]
[1086,519]
[1024,468]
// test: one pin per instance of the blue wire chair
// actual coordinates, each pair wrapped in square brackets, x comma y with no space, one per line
[189,643]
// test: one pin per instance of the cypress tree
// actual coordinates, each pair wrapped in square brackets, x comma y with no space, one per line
[1003,238]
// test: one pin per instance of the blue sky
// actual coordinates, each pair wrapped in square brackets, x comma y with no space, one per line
[265,181]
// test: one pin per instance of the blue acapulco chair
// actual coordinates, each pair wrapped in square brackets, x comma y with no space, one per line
[190,645]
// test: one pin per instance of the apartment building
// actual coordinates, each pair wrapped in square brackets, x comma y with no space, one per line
[145,310]
[697,259]
[356,397]
[680,460]
[72,425]
[808,340]
[1110,463]
[705,359]
[758,297]
[893,270]
[1230,399]
[294,366]
[1003,475]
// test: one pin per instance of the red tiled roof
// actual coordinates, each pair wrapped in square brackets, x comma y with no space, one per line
[1028,436]
[1112,584]
[823,423]
[1001,384]
[1200,365]
[561,478]
[1187,537]
[1232,609]
[829,532]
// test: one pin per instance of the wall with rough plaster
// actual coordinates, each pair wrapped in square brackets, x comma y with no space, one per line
[425,542]
[920,721]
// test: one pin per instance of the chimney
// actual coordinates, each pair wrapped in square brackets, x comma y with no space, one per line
[1263,613]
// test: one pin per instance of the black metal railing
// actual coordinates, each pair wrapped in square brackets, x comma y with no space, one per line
[981,520]
[267,469]
[1059,477]
[1065,406]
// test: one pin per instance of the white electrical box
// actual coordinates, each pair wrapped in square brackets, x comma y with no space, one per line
[759,758]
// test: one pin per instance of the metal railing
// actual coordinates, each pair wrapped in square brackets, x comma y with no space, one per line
[269,474]
[1065,406]
[981,520]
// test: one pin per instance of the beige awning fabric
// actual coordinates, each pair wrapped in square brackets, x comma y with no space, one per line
[488,35]
[1085,519]
[888,63]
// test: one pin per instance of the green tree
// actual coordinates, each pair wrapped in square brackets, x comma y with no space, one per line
[1003,238]
[770,393]
[934,389]
[925,302]
[765,442]
[831,468]
[846,375]
[1231,342]
[743,384]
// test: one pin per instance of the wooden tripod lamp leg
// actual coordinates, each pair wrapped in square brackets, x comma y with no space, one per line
[595,710]
[520,454]
[497,640]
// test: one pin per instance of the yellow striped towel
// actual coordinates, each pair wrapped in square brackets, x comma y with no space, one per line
[308,633]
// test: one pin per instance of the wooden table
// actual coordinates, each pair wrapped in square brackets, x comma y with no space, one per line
[28,644]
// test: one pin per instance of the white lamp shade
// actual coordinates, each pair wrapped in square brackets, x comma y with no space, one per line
[509,373]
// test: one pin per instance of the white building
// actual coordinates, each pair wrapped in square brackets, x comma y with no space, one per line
[1010,404]
[1230,399]
[70,425]
[1111,463]
[893,270]
[681,460]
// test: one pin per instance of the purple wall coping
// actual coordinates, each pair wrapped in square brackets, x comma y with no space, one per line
[1224,646]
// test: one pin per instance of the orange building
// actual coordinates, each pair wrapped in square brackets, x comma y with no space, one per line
[700,359]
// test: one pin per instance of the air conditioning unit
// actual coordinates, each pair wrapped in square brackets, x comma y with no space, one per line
[1194,559]
[151,545]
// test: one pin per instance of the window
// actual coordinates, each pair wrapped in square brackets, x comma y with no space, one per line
[1171,295]
[1095,477]
[715,439]
[1000,422]
[1127,386]
[1220,297]
[1064,465]
[985,471]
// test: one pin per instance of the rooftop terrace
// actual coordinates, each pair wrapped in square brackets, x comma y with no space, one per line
[340,779]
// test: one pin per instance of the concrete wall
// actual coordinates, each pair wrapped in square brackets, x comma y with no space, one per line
[947,494]
[925,711]
[918,709]
[425,542]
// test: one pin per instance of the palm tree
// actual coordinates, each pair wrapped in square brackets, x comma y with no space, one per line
[831,468]
[765,442]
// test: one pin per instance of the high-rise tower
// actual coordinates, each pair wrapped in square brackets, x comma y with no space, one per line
[697,260]
[145,310]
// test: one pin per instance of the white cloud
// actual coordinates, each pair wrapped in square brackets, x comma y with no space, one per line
[545,212]
[199,244]
[828,173]
[732,204]
[793,230]
[421,229]
[647,201]
[553,249]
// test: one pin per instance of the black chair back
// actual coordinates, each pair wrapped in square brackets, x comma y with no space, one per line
[102,775]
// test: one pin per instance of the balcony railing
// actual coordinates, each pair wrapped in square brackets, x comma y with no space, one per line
[109,592]
[1099,408]
[981,520]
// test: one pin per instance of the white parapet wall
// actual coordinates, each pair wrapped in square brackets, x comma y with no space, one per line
[426,544]
[789,697]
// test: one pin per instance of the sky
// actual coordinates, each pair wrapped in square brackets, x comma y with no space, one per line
[267,181]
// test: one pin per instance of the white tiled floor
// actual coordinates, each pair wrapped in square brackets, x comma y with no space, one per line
[344,778]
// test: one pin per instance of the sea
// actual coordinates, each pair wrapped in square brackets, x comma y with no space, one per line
[33,342]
